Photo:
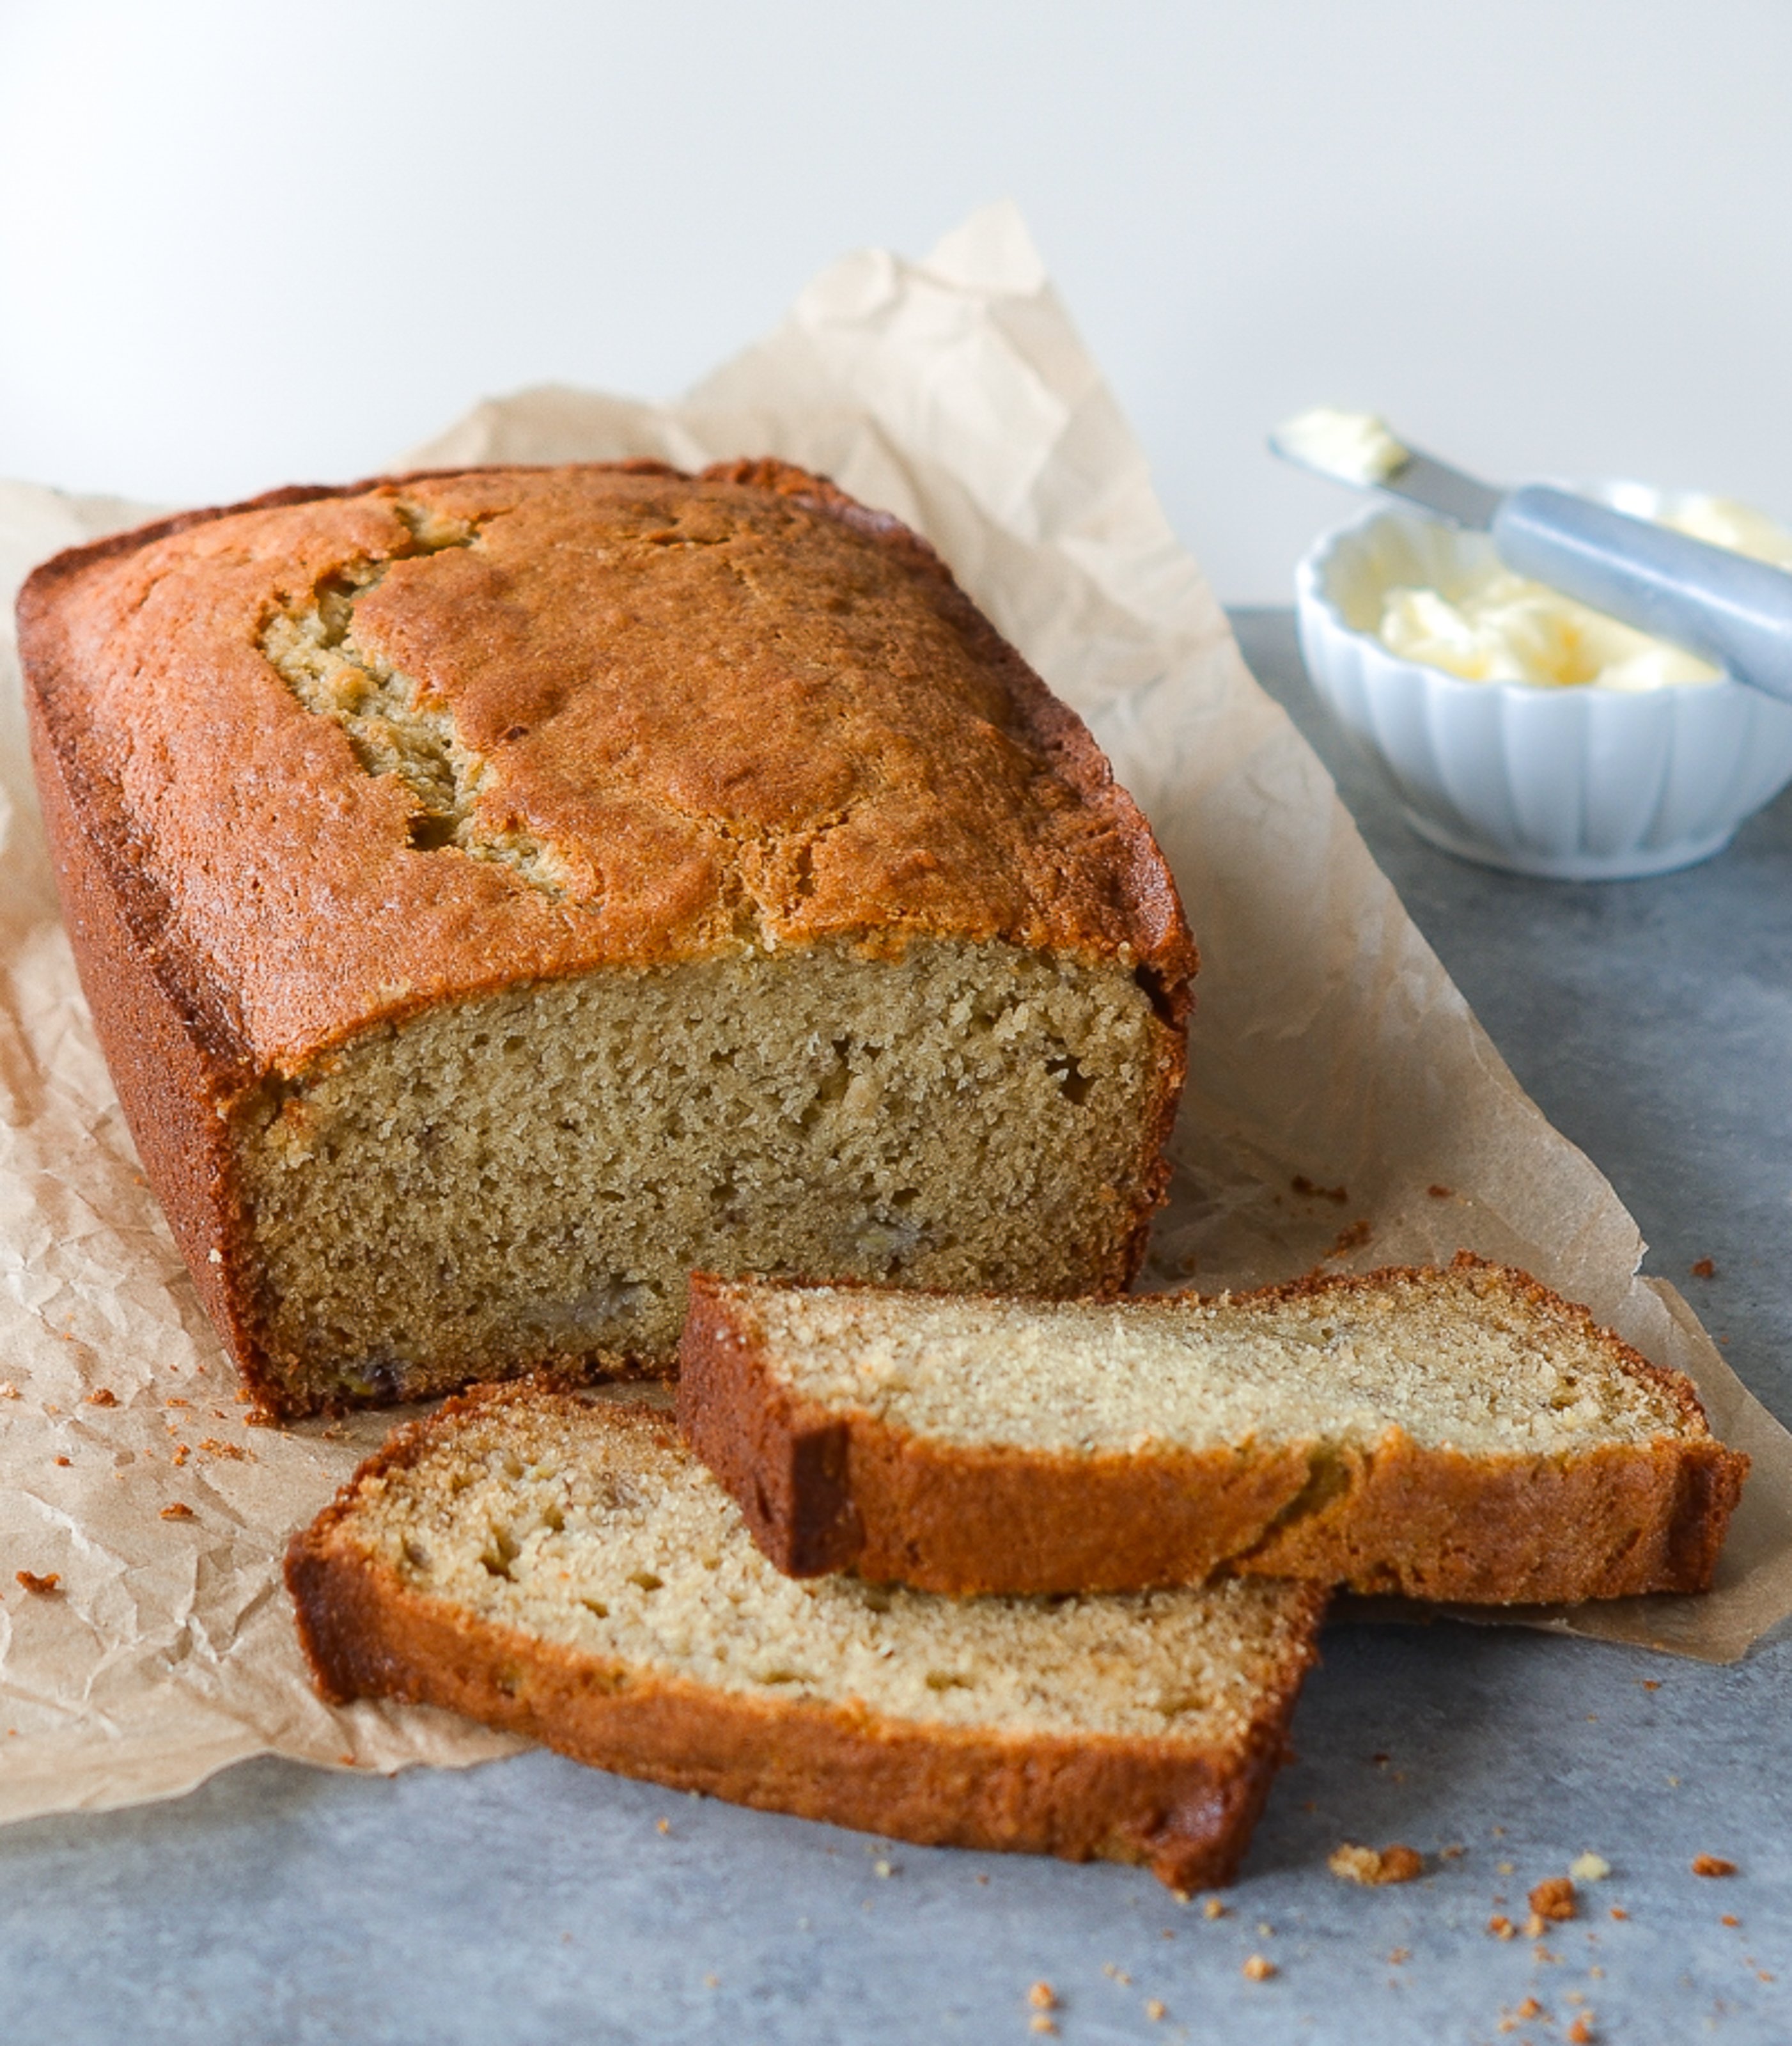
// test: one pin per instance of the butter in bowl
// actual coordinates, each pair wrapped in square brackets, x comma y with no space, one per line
[1526,730]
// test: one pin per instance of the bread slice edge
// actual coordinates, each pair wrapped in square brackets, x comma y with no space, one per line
[823,1487]
[1184,1810]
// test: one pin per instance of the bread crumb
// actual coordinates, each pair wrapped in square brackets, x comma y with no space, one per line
[662,1825]
[101,1395]
[44,1585]
[1729,1918]
[1712,1864]
[8,1390]
[1372,1867]
[1042,1997]
[1042,2023]
[1651,1683]
[1534,1926]
[1352,1237]
[883,1868]
[64,1461]
[1580,2033]
[1155,2010]
[177,1511]
[1505,1867]
[1213,1909]
[1501,1927]
[1258,1968]
[1542,1953]
[1398,1955]
[1589,1868]
[234,1451]
[180,1456]
[1554,1897]
[1704,1267]
[1453,1852]
[1619,1911]
[1530,2008]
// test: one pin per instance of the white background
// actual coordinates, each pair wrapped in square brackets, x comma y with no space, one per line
[248,243]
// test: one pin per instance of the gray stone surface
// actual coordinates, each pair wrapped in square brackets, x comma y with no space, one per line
[533,1900]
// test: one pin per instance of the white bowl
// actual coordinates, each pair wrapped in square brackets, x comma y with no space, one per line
[1576,784]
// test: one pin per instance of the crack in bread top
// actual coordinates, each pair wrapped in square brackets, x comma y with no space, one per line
[438,735]
[393,725]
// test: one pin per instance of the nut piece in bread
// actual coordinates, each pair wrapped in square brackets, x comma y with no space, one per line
[563,1567]
[498,893]
[1461,1434]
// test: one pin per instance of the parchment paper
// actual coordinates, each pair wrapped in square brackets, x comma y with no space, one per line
[1329,1046]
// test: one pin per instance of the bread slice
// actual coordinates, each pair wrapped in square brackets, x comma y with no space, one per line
[564,1567]
[1461,1434]
[498,893]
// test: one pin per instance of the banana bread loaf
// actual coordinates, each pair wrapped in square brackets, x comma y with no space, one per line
[563,1568]
[499,893]
[1462,1434]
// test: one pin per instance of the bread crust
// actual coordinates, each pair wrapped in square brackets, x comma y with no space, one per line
[243,899]
[822,1489]
[1184,1812]
[90,619]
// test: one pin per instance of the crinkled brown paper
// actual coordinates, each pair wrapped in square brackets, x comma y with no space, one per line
[1328,1043]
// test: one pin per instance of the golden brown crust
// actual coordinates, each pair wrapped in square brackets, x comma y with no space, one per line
[1185,1812]
[172,1058]
[1437,1524]
[823,1489]
[870,761]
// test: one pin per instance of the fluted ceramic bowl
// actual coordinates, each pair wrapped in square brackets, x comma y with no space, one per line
[1577,784]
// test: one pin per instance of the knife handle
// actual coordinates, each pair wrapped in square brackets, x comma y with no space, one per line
[1734,612]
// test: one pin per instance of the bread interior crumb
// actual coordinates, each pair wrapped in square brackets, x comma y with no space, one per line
[587,1526]
[528,1177]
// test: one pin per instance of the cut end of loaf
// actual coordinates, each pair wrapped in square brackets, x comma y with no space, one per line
[525,1181]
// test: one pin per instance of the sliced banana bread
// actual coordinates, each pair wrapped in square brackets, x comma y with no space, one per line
[563,1567]
[498,893]
[1461,1434]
